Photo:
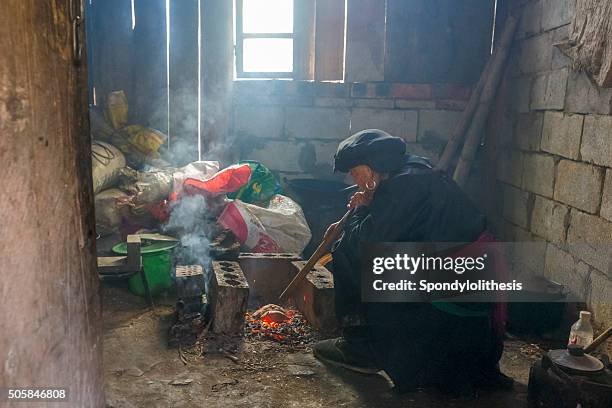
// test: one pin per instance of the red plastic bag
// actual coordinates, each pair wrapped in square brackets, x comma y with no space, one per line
[225,181]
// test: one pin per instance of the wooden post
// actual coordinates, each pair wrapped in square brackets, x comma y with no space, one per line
[472,138]
[50,325]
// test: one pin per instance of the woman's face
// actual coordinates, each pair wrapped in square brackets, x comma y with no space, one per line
[361,175]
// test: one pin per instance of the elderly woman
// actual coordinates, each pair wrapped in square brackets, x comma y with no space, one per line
[402,199]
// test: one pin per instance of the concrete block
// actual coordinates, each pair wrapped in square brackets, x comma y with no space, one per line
[396,122]
[606,199]
[589,238]
[414,104]
[510,167]
[521,94]
[267,274]
[531,19]
[556,13]
[451,104]
[517,205]
[559,59]
[276,155]
[317,123]
[549,90]
[579,185]
[583,96]
[549,220]
[539,174]
[529,130]
[563,268]
[437,123]
[599,299]
[325,102]
[259,121]
[536,54]
[315,297]
[229,296]
[561,134]
[374,103]
[411,91]
[596,144]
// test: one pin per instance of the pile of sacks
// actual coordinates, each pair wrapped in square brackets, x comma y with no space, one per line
[243,198]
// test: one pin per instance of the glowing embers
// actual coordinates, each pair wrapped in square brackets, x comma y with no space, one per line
[272,322]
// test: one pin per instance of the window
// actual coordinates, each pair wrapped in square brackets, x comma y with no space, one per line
[264,38]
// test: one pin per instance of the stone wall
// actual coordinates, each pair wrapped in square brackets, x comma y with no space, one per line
[553,130]
[294,127]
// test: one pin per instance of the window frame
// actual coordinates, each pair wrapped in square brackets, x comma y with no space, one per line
[241,36]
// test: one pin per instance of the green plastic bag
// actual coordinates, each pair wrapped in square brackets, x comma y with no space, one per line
[261,187]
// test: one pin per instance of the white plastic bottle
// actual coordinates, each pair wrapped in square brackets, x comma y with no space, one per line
[582,331]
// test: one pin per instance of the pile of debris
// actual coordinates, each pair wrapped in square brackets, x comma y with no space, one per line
[286,326]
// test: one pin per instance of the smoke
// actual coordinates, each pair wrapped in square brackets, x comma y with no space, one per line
[189,221]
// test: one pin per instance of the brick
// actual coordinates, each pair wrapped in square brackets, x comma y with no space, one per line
[579,185]
[396,122]
[549,90]
[374,103]
[414,104]
[249,87]
[539,174]
[563,268]
[451,104]
[596,146]
[606,199]
[293,88]
[516,206]
[363,90]
[332,89]
[229,297]
[583,96]
[556,13]
[521,94]
[510,167]
[561,134]
[529,130]
[531,19]
[317,123]
[536,54]
[559,59]
[438,124]
[589,238]
[411,91]
[548,219]
[452,91]
[315,297]
[259,121]
[325,102]
[599,298]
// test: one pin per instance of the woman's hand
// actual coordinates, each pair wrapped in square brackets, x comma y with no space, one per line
[331,229]
[359,199]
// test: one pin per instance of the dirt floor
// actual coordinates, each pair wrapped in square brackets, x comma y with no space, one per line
[141,371]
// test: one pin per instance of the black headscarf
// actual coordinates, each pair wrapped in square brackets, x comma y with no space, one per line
[373,147]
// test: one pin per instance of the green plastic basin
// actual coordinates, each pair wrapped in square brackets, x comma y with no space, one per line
[157,266]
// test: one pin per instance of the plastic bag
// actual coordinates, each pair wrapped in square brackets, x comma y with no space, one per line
[281,227]
[225,181]
[261,186]
[199,170]
[146,140]
[109,206]
[117,109]
[106,163]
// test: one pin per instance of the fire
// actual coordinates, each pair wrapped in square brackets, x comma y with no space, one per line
[277,324]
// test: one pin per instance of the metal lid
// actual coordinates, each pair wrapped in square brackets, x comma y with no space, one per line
[575,359]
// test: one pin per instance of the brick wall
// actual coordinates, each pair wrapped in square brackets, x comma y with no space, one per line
[294,127]
[554,158]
